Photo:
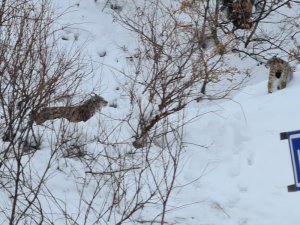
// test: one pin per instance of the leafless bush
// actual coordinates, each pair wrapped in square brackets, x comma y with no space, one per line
[35,72]
[274,29]
[116,181]
[172,67]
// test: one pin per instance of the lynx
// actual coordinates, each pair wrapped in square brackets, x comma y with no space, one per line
[239,12]
[75,114]
[279,69]
[242,13]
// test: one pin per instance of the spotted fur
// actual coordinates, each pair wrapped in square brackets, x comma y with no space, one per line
[239,12]
[72,113]
[242,13]
[278,69]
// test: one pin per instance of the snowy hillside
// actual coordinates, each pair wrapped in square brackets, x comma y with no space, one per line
[241,173]
[245,168]
[234,169]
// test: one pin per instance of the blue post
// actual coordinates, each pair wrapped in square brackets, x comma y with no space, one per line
[294,143]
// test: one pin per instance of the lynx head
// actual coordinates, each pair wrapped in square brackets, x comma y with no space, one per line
[96,101]
[273,61]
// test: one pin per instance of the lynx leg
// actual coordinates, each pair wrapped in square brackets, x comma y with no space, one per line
[282,84]
[270,83]
[283,80]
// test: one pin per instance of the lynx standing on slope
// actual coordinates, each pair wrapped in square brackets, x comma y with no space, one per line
[279,69]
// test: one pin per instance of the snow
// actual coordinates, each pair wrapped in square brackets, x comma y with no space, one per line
[245,168]
[235,169]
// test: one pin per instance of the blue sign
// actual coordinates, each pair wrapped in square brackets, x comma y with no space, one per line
[294,142]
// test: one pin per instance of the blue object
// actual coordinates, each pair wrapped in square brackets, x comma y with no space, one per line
[294,143]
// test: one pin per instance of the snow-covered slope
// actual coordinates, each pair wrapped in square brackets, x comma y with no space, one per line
[89,26]
[245,168]
[235,169]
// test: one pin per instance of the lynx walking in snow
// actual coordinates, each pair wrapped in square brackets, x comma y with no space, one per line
[72,113]
[279,69]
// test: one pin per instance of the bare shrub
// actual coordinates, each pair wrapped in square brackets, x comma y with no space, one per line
[172,68]
[114,183]
[274,29]
[35,72]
